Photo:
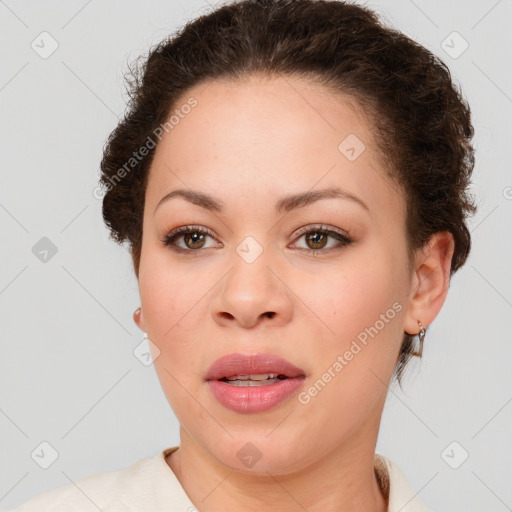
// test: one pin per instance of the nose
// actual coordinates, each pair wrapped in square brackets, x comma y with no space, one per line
[252,294]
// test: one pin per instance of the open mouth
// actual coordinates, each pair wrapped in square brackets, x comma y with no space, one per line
[253,383]
[258,379]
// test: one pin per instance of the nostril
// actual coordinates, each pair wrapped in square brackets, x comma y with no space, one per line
[269,314]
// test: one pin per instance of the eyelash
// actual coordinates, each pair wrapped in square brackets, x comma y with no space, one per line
[344,239]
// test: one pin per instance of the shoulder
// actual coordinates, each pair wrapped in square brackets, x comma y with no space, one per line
[402,496]
[126,489]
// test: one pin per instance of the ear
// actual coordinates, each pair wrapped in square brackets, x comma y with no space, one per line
[138,318]
[430,282]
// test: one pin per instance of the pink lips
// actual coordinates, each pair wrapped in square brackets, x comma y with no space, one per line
[253,398]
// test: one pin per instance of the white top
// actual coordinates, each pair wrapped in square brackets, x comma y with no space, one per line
[150,485]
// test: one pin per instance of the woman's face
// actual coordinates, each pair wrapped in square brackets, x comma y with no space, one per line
[274,275]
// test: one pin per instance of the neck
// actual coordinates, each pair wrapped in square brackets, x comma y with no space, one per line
[344,481]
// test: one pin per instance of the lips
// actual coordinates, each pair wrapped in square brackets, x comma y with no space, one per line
[253,383]
[257,364]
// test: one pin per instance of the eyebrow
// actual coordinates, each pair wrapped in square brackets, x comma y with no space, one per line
[284,205]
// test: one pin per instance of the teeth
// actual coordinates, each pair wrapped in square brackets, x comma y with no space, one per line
[249,383]
[254,376]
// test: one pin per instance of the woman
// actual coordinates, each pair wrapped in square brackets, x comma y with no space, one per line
[292,180]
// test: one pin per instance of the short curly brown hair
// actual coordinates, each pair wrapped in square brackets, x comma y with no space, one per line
[421,122]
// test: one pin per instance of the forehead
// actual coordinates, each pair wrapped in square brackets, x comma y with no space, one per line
[261,105]
[278,133]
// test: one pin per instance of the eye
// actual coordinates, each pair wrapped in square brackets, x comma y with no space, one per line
[317,239]
[194,237]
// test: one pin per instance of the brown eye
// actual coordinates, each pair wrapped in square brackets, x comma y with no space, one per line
[316,240]
[189,239]
[193,240]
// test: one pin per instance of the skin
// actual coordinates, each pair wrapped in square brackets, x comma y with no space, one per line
[248,144]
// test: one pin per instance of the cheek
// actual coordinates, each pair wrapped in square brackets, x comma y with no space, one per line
[361,309]
[353,368]
[169,296]
[351,297]
[171,301]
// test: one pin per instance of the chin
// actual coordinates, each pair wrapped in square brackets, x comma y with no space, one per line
[258,454]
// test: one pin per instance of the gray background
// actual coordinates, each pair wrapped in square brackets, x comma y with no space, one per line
[69,376]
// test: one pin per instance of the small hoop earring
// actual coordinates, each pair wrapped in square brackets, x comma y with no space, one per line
[421,336]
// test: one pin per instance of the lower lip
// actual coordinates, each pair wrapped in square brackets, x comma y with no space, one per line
[254,398]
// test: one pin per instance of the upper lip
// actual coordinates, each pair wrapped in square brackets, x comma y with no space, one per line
[241,364]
